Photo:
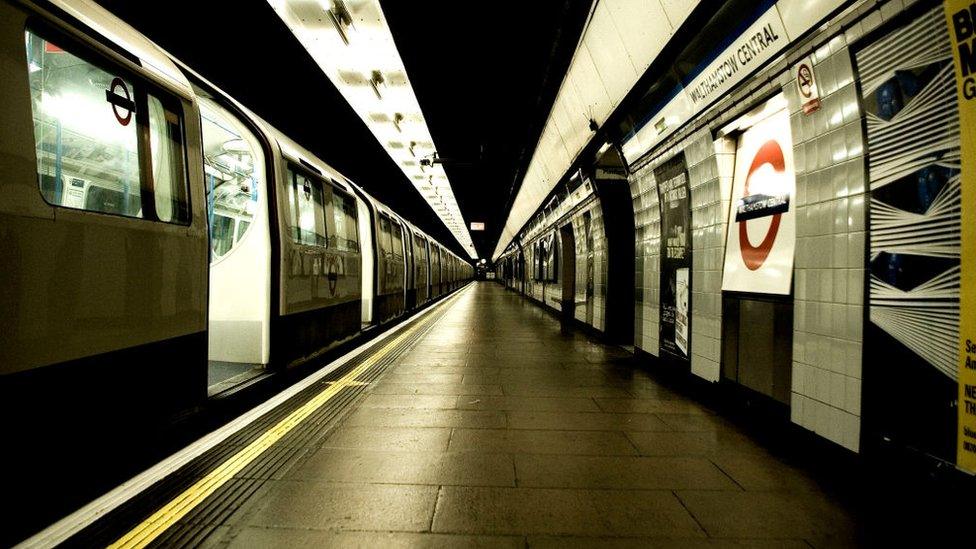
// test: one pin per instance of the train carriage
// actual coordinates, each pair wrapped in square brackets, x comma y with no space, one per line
[161,242]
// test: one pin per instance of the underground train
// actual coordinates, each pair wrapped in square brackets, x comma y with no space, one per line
[790,231]
[161,243]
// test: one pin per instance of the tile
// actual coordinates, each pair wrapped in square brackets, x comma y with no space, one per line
[558,390]
[768,515]
[407,417]
[541,442]
[650,406]
[375,400]
[423,369]
[445,389]
[695,422]
[761,472]
[396,377]
[585,421]
[390,438]
[550,511]
[434,468]
[540,404]
[326,505]
[692,443]
[624,473]
[546,542]
[260,538]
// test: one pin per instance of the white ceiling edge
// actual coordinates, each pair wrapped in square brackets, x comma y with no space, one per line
[390,108]
[621,40]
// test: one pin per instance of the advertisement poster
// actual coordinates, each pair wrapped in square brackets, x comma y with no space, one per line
[681,309]
[962,32]
[762,223]
[674,195]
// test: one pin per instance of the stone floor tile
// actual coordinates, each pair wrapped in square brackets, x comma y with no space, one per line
[585,421]
[330,506]
[390,438]
[446,389]
[619,472]
[262,538]
[378,400]
[551,511]
[769,514]
[538,404]
[435,468]
[406,417]
[541,442]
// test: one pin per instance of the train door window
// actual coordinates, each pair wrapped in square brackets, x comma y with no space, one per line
[346,235]
[397,234]
[166,151]
[308,210]
[88,140]
[386,236]
[233,163]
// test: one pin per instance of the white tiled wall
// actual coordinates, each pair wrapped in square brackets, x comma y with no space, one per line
[550,293]
[599,267]
[710,189]
[647,260]
[710,192]
[829,271]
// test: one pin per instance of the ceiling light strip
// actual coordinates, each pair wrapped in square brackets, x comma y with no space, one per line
[352,44]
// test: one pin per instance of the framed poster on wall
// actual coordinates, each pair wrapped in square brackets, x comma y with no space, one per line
[762,221]
[674,195]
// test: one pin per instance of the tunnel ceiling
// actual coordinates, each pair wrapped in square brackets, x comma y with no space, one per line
[485,74]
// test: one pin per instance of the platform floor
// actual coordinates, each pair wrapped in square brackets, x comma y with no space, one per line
[503,428]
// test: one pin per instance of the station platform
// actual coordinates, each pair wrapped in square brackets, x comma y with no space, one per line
[490,423]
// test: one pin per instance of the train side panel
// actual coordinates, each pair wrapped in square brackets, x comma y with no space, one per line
[104,229]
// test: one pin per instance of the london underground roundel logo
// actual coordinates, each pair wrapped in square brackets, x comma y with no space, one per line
[754,256]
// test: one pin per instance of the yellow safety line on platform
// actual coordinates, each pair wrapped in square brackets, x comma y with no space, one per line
[143,534]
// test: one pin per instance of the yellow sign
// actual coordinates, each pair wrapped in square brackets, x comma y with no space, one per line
[961,18]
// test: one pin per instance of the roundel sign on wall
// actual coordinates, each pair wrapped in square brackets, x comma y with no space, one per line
[762,222]
[770,154]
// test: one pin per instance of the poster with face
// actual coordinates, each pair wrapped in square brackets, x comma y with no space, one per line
[762,221]
[674,201]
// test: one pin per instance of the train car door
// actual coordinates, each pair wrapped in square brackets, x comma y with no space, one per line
[239,326]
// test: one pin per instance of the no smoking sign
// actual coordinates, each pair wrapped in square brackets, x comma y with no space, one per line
[806,85]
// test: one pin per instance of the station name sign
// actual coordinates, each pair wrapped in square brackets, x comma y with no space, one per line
[764,39]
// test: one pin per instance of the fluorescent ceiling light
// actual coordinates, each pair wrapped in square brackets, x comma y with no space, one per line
[352,44]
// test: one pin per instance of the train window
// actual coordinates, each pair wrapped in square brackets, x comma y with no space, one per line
[307,199]
[241,229]
[386,234]
[221,235]
[166,151]
[233,162]
[397,242]
[87,123]
[346,235]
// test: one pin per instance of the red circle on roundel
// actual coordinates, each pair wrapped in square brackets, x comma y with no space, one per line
[126,114]
[754,256]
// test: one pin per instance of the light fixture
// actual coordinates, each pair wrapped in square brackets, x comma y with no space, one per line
[340,17]
[358,54]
